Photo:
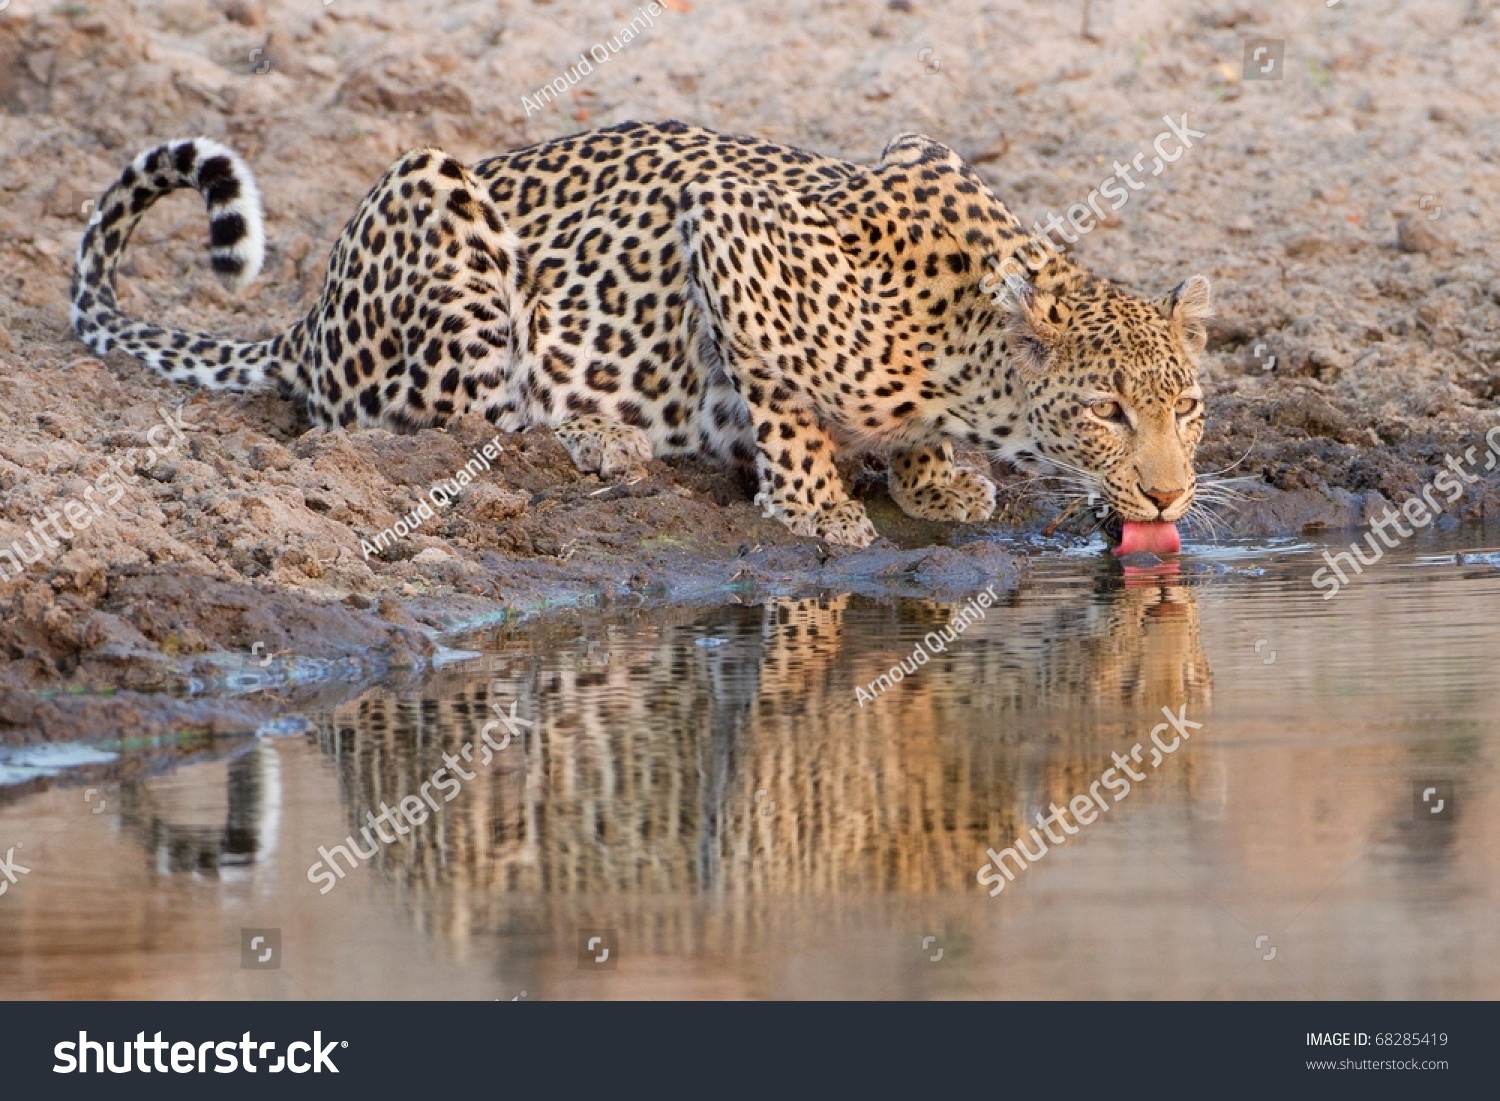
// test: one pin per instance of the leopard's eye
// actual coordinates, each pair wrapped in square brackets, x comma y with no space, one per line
[1186,407]
[1107,410]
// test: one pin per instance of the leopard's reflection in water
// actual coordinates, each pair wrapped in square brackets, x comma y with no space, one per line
[725,755]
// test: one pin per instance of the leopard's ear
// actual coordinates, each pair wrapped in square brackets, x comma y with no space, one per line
[1187,307]
[1036,321]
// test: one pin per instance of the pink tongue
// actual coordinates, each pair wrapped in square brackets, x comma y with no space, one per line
[1158,537]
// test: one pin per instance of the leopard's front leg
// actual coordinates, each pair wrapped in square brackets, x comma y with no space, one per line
[799,484]
[928,484]
[609,448]
[777,326]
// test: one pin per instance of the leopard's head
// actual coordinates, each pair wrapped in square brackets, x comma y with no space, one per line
[1111,391]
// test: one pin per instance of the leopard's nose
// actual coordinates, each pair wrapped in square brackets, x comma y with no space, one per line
[1162,498]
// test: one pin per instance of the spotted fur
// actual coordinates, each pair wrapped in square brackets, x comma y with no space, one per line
[657,289]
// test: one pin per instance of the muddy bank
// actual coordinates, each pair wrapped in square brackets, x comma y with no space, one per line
[83,662]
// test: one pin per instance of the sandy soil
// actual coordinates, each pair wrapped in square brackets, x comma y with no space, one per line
[1344,213]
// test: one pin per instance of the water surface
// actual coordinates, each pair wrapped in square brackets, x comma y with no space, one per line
[701,792]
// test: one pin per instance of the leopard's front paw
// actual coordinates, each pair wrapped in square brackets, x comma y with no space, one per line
[606,447]
[968,496]
[842,522]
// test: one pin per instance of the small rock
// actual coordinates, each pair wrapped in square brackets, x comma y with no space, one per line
[321,65]
[39,63]
[1485,389]
[489,502]
[247,13]
[1417,235]
[391,611]
[40,294]
[270,456]
[393,89]
[1311,413]
[66,200]
[1307,244]
[20,708]
[185,16]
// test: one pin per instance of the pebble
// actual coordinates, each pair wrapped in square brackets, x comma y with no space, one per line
[1415,234]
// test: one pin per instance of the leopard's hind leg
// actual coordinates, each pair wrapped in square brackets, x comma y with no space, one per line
[426,308]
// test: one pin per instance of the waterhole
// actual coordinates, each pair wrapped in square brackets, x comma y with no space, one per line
[744,800]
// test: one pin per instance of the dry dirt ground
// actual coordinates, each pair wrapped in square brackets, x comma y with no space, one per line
[1343,210]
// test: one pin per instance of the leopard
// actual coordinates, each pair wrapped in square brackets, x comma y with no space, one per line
[655,289]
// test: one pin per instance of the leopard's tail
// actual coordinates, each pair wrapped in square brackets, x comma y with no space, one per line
[237,241]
